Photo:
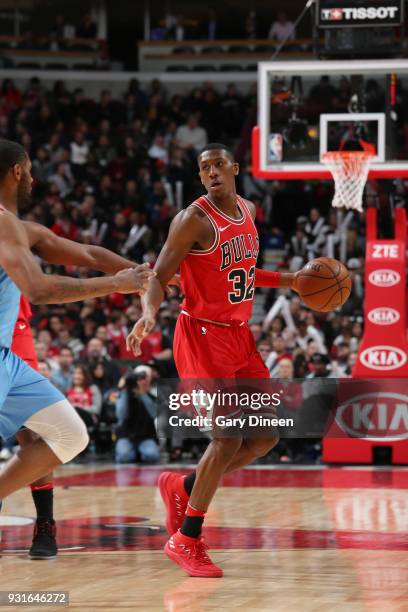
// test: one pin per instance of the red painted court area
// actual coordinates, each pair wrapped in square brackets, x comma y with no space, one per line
[341,478]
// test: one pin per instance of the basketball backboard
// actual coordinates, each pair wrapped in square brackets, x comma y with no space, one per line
[308,108]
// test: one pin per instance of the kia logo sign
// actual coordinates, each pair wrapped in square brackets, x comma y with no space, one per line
[383,316]
[384,278]
[384,358]
[375,416]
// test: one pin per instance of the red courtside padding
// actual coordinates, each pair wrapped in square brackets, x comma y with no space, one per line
[383,351]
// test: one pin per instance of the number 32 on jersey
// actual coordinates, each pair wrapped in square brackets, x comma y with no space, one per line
[242,284]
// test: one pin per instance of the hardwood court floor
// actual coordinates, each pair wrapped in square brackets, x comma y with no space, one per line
[313,539]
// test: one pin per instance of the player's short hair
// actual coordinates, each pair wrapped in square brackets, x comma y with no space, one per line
[11,153]
[216,146]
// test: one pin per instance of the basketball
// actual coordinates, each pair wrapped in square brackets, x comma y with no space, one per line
[324,284]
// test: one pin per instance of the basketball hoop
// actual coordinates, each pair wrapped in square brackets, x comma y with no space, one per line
[350,171]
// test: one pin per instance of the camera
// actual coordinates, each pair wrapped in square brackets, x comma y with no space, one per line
[132,378]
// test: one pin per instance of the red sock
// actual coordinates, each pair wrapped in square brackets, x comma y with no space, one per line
[193,522]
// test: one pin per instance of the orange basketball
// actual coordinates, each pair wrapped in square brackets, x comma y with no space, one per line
[324,284]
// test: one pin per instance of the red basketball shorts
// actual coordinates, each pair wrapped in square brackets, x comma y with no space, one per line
[23,346]
[208,350]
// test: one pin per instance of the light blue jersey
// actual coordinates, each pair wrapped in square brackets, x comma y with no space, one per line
[23,391]
[9,306]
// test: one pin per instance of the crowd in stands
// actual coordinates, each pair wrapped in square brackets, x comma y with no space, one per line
[106,171]
[62,35]
[213,26]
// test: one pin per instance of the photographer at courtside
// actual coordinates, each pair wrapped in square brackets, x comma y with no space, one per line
[136,413]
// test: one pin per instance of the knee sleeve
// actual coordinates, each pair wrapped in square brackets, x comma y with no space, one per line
[61,429]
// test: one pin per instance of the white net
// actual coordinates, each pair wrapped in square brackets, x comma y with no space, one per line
[350,171]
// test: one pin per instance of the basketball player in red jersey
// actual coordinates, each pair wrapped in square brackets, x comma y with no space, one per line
[44,545]
[214,242]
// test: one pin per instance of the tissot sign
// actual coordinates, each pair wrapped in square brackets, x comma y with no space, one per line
[354,13]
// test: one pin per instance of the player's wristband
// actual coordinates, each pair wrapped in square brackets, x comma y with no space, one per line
[265,278]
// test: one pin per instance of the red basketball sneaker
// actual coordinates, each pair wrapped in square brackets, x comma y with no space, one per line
[175,499]
[191,555]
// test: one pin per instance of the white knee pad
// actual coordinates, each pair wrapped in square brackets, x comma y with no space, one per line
[61,428]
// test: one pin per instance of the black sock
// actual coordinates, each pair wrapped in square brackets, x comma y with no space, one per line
[191,526]
[189,484]
[43,500]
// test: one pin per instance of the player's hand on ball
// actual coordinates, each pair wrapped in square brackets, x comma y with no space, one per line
[324,284]
[142,328]
[294,286]
[135,280]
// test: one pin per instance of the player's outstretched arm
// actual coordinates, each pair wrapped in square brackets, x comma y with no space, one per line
[276,280]
[61,251]
[20,264]
[186,229]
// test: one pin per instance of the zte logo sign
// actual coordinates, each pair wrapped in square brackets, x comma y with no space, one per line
[383,358]
[384,278]
[385,251]
[383,316]
[359,13]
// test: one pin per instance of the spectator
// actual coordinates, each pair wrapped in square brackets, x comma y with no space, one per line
[282,29]
[11,97]
[62,30]
[44,369]
[79,154]
[99,377]
[264,349]
[62,179]
[87,27]
[66,339]
[191,136]
[305,333]
[104,153]
[85,397]
[278,352]
[62,375]
[139,237]
[319,363]
[250,26]
[136,411]
[323,94]
[158,150]
[42,167]
[256,329]
[177,29]
[341,363]
[97,353]
[211,27]
[117,332]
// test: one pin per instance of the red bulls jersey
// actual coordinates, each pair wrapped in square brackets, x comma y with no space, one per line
[218,283]
[24,314]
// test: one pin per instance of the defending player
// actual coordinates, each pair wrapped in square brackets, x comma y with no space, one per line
[44,545]
[26,397]
[214,242]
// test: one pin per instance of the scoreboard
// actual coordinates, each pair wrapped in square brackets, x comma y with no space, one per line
[359,28]
[355,13]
